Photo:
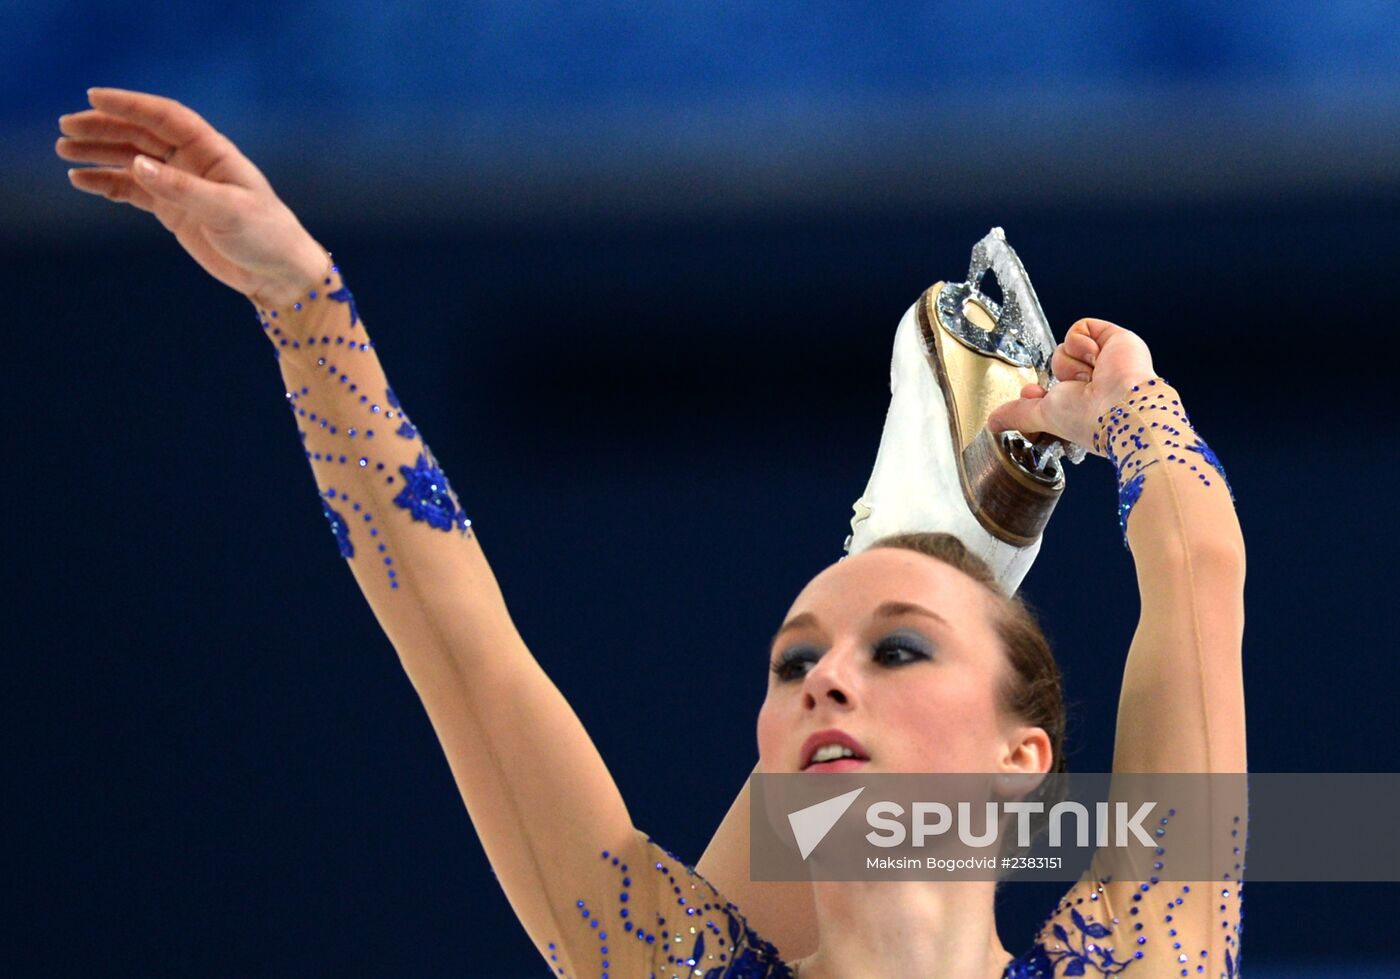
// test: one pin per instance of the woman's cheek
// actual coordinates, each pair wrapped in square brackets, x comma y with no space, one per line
[942,731]
[767,732]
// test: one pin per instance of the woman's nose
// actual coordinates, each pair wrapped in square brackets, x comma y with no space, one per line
[831,681]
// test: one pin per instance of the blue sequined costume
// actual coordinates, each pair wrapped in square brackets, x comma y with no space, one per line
[663,919]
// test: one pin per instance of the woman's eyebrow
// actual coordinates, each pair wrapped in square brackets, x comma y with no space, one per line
[796,622]
[886,610]
[891,609]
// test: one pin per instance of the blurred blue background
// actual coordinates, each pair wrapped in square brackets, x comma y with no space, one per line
[635,270]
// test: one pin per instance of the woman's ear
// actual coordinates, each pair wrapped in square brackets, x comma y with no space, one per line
[1028,751]
[1027,758]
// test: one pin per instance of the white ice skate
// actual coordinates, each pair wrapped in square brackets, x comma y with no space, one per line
[958,355]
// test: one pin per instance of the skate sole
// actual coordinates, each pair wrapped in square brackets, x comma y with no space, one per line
[1010,500]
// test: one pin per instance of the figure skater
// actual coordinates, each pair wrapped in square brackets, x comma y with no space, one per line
[909,655]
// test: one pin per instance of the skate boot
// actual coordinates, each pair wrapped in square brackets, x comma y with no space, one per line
[958,354]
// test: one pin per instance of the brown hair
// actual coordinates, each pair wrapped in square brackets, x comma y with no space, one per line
[1033,691]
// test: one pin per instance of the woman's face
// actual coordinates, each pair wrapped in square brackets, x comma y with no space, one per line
[897,651]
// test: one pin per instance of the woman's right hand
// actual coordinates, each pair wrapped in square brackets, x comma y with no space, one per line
[1096,366]
[154,153]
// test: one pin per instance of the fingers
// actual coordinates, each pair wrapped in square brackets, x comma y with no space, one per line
[201,147]
[146,182]
[1074,359]
[1025,415]
[115,185]
[1081,347]
[1084,343]
[92,126]
[102,154]
[216,205]
[166,119]
[1067,367]
[1095,329]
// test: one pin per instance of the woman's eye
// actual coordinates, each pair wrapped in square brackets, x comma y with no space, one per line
[898,650]
[792,664]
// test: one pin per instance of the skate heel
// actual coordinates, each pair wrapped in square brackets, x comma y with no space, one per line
[1009,497]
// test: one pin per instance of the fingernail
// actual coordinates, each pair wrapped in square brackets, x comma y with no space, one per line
[146,166]
[1081,376]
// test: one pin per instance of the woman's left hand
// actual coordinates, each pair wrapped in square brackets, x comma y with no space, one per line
[1096,366]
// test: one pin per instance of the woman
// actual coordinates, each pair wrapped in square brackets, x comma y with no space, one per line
[909,649]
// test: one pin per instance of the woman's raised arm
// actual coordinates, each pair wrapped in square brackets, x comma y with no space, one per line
[541,798]
[1181,710]
[1182,705]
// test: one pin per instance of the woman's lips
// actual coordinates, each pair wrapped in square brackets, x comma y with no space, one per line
[837,765]
[831,736]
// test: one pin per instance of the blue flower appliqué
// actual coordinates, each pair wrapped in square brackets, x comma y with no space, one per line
[1128,493]
[342,295]
[406,428]
[723,946]
[1208,454]
[1035,964]
[1078,961]
[751,957]
[340,529]
[428,496]
[754,958]
[751,964]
